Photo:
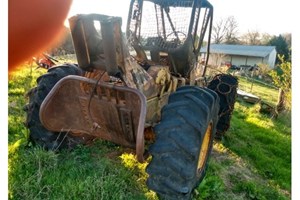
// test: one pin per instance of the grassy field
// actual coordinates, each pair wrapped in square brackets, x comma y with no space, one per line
[253,161]
[267,94]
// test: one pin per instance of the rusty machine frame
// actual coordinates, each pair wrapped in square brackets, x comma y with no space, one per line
[128,110]
[146,84]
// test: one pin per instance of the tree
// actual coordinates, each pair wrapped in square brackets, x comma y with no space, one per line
[225,31]
[231,31]
[288,39]
[218,31]
[282,78]
[282,47]
[265,38]
[251,38]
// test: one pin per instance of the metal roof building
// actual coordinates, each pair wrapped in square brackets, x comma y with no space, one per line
[241,54]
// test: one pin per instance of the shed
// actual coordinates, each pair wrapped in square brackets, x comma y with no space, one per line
[241,54]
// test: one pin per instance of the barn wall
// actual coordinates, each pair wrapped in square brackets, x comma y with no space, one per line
[244,60]
[272,58]
[218,60]
[239,60]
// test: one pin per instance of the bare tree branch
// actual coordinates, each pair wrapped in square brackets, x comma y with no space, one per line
[231,31]
[251,38]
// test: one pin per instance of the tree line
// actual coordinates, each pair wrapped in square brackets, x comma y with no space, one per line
[225,31]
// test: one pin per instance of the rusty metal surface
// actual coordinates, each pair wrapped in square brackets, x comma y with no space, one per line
[87,42]
[107,50]
[106,111]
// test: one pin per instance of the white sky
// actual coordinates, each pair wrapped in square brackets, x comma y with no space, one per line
[265,16]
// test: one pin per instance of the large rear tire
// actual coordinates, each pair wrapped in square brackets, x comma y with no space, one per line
[38,133]
[225,86]
[184,139]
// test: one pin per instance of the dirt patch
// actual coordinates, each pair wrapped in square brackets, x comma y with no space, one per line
[234,165]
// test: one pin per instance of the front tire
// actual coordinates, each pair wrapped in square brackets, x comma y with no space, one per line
[184,139]
[38,134]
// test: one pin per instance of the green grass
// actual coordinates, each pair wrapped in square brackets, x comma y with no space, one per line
[100,171]
[85,173]
[266,93]
[19,83]
[253,161]
[261,141]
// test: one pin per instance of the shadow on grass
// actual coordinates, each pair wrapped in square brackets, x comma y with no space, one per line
[253,161]
[263,144]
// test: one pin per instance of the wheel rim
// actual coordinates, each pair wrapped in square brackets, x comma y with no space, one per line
[204,149]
